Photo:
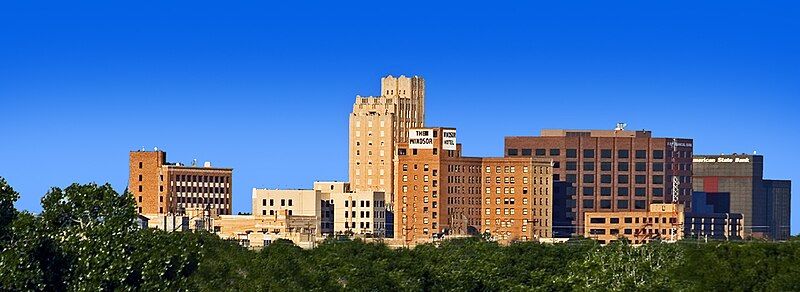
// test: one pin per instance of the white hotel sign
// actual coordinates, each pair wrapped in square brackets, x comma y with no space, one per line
[420,139]
[449,139]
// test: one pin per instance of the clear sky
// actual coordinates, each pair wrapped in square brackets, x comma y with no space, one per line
[266,88]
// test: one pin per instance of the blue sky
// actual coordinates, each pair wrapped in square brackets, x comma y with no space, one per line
[266,88]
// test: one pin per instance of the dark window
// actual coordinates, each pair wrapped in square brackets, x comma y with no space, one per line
[588,166]
[140,165]
[588,178]
[263,202]
[571,177]
[598,231]
[588,191]
[622,204]
[401,151]
[597,220]
[556,177]
[283,202]
[622,166]
[588,153]
[639,204]
[640,192]
[658,166]
[290,202]
[641,166]
[512,152]
[628,219]
[606,179]
[622,191]
[641,154]
[555,152]
[622,179]
[605,204]
[628,231]
[614,220]
[658,179]
[588,204]
[526,152]
[658,192]
[572,153]
[605,153]
[605,191]
[414,152]
[623,154]
[605,166]
[272,202]
[556,164]
[540,152]
[658,154]
[641,179]
[572,165]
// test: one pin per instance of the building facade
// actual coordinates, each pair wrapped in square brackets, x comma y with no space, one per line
[441,193]
[765,204]
[160,187]
[661,222]
[269,203]
[608,170]
[377,124]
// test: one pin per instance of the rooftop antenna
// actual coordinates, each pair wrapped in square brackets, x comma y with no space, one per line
[620,126]
[194,162]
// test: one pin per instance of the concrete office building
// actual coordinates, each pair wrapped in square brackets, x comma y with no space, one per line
[660,222]
[377,124]
[160,187]
[608,170]
[765,204]
[441,193]
[311,203]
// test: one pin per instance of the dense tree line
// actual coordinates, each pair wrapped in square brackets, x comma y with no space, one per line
[85,238]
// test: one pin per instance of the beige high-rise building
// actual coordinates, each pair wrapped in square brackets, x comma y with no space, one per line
[377,124]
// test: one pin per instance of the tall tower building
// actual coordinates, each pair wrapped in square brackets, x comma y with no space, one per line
[377,124]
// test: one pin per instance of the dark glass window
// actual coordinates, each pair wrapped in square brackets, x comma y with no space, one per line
[588,166]
[622,204]
[658,166]
[605,166]
[555,152]
[588,191]
[658,179]
[622,191]
[641,166]
[526,152]
[588,178]
[641,179]
[556,164]
[540,152]
[572,153]
[606,179]
[571,177]
[605,191]
[623,153]
[640,192]
[639,204]
[597,220]
[614,220]
[622,166]
[605,204]
[572,165]
[556,177]
[588,204]
[641,154]
[658,154]
[588,153]
[658,192]
[622,179]
[513,152]
[605,153]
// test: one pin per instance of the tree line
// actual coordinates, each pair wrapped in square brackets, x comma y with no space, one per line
[86,239]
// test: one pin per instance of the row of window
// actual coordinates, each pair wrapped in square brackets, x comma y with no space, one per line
[621,204]
[587,153]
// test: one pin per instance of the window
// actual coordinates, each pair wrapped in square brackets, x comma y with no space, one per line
[526,152]
[597,220]
[540,152]
[512,152]
[641,166]
[605,204]
[140,164]
[572,178]
[572,165]
[641,154]
[272,202]
[658,192]
[658,179]
[640,179]
[140,188]
[572,153]
[605,166]
[622,204]
[623,153]
[622,179]
[588,166]
[605,191]
[639,204]
[283,202]
[622,191]
[588,204]
[588,153]
[605,153]
[588,191]
[622,166]
[640,192]
[263,202]
[290,202]
[605,178]
[555,152]
[658,154]
[588,178]
[658,166]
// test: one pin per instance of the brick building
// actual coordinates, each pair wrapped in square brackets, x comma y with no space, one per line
[607,170]
[160,187]
[439,192]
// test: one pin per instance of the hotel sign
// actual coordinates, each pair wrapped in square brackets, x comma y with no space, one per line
[722,160]
[449,139]
[420,139]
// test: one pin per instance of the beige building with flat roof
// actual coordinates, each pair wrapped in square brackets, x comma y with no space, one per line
[377,124]
[662,222]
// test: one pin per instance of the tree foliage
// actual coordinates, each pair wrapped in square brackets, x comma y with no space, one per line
[85,239]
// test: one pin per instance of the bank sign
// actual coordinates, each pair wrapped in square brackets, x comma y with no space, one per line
[420,139]
[721,160]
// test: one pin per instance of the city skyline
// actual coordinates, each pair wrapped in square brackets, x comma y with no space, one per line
[284,126]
